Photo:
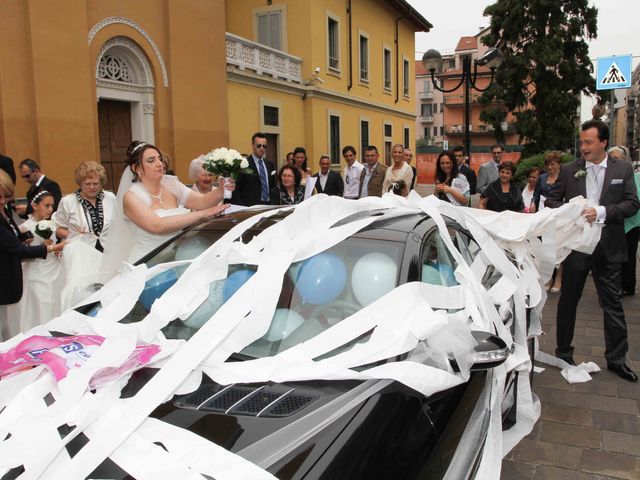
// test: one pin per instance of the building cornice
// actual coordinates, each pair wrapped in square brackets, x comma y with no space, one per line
[308,91]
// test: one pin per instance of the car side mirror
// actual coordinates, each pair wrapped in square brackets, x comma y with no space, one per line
[489,352]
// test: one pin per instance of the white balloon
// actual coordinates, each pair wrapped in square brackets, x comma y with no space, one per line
[205,311]
[373,276]
[283,323]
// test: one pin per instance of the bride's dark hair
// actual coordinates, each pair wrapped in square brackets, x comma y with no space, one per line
[134,155]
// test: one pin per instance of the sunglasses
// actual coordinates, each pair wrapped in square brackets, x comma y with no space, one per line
[260,145]
[26,175]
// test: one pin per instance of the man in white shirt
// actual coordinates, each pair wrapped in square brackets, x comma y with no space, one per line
[488,172]
[351,173]
[328,181]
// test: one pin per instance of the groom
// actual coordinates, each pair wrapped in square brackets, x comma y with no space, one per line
[609,184]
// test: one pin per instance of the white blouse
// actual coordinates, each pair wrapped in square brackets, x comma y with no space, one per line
[391,176]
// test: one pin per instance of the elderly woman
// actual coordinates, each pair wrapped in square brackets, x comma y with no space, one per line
[203,181]
[547,181]
[503,194]
[288,191]
[89,211]
[631,230]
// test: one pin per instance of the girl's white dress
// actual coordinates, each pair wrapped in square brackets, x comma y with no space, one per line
[40,288]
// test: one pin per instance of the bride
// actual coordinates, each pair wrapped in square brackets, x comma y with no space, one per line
[158,205]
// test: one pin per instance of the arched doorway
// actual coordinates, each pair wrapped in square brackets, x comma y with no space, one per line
[124,87]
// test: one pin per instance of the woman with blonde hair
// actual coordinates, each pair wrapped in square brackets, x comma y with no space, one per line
[400,170]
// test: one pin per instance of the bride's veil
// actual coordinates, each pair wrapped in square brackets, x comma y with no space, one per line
[121,239]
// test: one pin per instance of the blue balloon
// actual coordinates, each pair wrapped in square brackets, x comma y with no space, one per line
[156,286]
[234,282]
[321,278]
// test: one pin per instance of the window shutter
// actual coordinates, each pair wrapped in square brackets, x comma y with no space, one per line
[275,25]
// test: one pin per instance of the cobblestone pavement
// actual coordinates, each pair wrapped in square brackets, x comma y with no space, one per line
[587,431]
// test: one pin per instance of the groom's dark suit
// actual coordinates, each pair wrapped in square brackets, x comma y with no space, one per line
[620,200]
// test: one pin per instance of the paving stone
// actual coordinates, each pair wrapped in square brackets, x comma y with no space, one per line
[599,385]
[563,414]
[566,434]
[517,470]
[629,390]
[560,397]
[544,453]
[611,404]
[614,465]
[615,422]
[621,443]
[554,473]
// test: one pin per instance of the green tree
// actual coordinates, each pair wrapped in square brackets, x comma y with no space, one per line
[546,66]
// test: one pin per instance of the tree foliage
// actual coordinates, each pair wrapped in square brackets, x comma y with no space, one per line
[546,66]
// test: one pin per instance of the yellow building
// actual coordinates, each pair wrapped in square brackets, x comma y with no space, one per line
[79,79]
[321,74]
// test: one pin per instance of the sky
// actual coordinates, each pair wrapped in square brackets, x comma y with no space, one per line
[616,22]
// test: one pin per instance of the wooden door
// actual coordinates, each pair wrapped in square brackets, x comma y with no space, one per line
[114,123]
[272,150]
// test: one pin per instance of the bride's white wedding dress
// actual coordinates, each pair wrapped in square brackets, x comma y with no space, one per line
[144,242]
[40,288]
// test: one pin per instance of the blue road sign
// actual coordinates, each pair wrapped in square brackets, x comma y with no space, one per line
[613,72]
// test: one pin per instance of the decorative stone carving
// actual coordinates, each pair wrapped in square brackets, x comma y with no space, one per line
[126,21]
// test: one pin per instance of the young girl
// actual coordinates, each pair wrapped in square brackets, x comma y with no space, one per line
[40,276]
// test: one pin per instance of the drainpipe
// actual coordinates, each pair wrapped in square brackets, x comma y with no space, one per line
[397,42]
[349,39]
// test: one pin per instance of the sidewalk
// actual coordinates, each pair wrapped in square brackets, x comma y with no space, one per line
[587,431]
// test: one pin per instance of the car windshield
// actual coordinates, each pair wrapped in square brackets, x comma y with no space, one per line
[316,293]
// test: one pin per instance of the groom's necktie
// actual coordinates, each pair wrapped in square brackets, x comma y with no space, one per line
[264,182]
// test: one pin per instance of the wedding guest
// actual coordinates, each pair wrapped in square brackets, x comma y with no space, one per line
[158,205]
[631,231]
[300,162]
[451,185]
[408,156]
[352,173]
[289,159]
[529,190]
[463,167]
[31,173]
[40,275]
[547,181]
[372,175]
[12,251]
[6,164]
[89,211]
[328,181]
[253,188]
[399,188]
[400,170]
[502,194]
[204,182]
[289,191]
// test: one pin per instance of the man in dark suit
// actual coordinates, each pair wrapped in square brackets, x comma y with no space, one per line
[6,164]
[253,188]
[30,172]
[328,181]
[466,170]
[488,172]
[610,185]
[372,175]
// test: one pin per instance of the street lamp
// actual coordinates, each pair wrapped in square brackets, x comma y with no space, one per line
[432,62]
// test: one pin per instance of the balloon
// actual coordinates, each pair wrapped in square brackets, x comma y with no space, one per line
[283,323]
[321,278]
[431,275]
[205,311]
[156,286]
[374,275]
[234,282]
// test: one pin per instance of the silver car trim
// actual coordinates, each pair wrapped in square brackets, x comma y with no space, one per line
[219,392]
[246,397]
[275,401]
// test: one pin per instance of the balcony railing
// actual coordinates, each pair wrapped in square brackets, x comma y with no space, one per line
[248,55]
[458,99]
[476,129]
[426,95]
[426,119]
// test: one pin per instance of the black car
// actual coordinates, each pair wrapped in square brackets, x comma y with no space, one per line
[383,429]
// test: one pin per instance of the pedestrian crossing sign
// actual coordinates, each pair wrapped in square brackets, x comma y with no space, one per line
[613,72]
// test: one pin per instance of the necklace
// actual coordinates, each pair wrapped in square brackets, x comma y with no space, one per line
[157,197]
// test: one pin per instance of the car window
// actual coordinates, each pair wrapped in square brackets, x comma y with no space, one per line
[316,293]
[438,265]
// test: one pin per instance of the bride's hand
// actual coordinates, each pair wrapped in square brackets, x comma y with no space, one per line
[213,211]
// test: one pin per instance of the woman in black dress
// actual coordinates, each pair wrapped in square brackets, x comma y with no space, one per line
[288,191]
[503,194]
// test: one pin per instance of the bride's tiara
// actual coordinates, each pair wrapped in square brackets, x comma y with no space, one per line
[138,146]
[40,194]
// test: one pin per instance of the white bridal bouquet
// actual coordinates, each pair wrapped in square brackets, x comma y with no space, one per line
[226,162]
[45,228]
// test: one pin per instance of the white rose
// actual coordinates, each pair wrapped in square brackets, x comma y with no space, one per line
[219,154]
[229,157]
[244,163]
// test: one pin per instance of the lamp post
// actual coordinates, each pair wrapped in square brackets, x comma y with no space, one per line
[432,62]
